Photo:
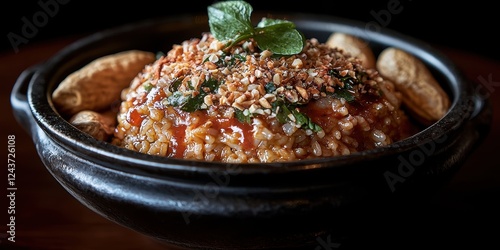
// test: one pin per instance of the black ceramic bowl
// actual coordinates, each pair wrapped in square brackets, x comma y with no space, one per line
[229,206]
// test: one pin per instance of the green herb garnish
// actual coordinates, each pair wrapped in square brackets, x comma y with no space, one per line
[240,115]
[346,91]
[286,112]
[192,101]
[230,22]
[343,93]
[270,87]
[174,85]
[228,60]
[147,87]
[305,121]
[159,54]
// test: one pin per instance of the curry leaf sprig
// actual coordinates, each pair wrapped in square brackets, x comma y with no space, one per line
[230,22]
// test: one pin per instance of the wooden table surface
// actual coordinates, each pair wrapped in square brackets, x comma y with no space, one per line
[47,217]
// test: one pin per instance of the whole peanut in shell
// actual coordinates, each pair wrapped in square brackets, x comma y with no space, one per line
[354,46]
[422,94]
[98,125]
[97,85]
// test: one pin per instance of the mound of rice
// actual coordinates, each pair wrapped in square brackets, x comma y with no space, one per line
[200,102]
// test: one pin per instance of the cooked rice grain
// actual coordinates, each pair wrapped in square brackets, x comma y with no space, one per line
[153,120]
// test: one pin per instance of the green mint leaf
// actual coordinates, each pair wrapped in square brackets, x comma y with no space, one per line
[229,20]
[280,39]
[279,36]
[267,22]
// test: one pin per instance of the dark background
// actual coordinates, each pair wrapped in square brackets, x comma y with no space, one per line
[469,26]
[463,214]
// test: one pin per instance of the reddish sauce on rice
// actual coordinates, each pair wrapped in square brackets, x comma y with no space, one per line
[248,106]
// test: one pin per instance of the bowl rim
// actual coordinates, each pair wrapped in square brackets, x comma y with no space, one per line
[67,136]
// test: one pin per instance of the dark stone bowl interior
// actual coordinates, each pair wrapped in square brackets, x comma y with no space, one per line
[229,206]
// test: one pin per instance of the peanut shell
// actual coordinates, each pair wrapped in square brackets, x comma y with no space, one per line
[354,46]
[99,125]
[97,85]
[422,94]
